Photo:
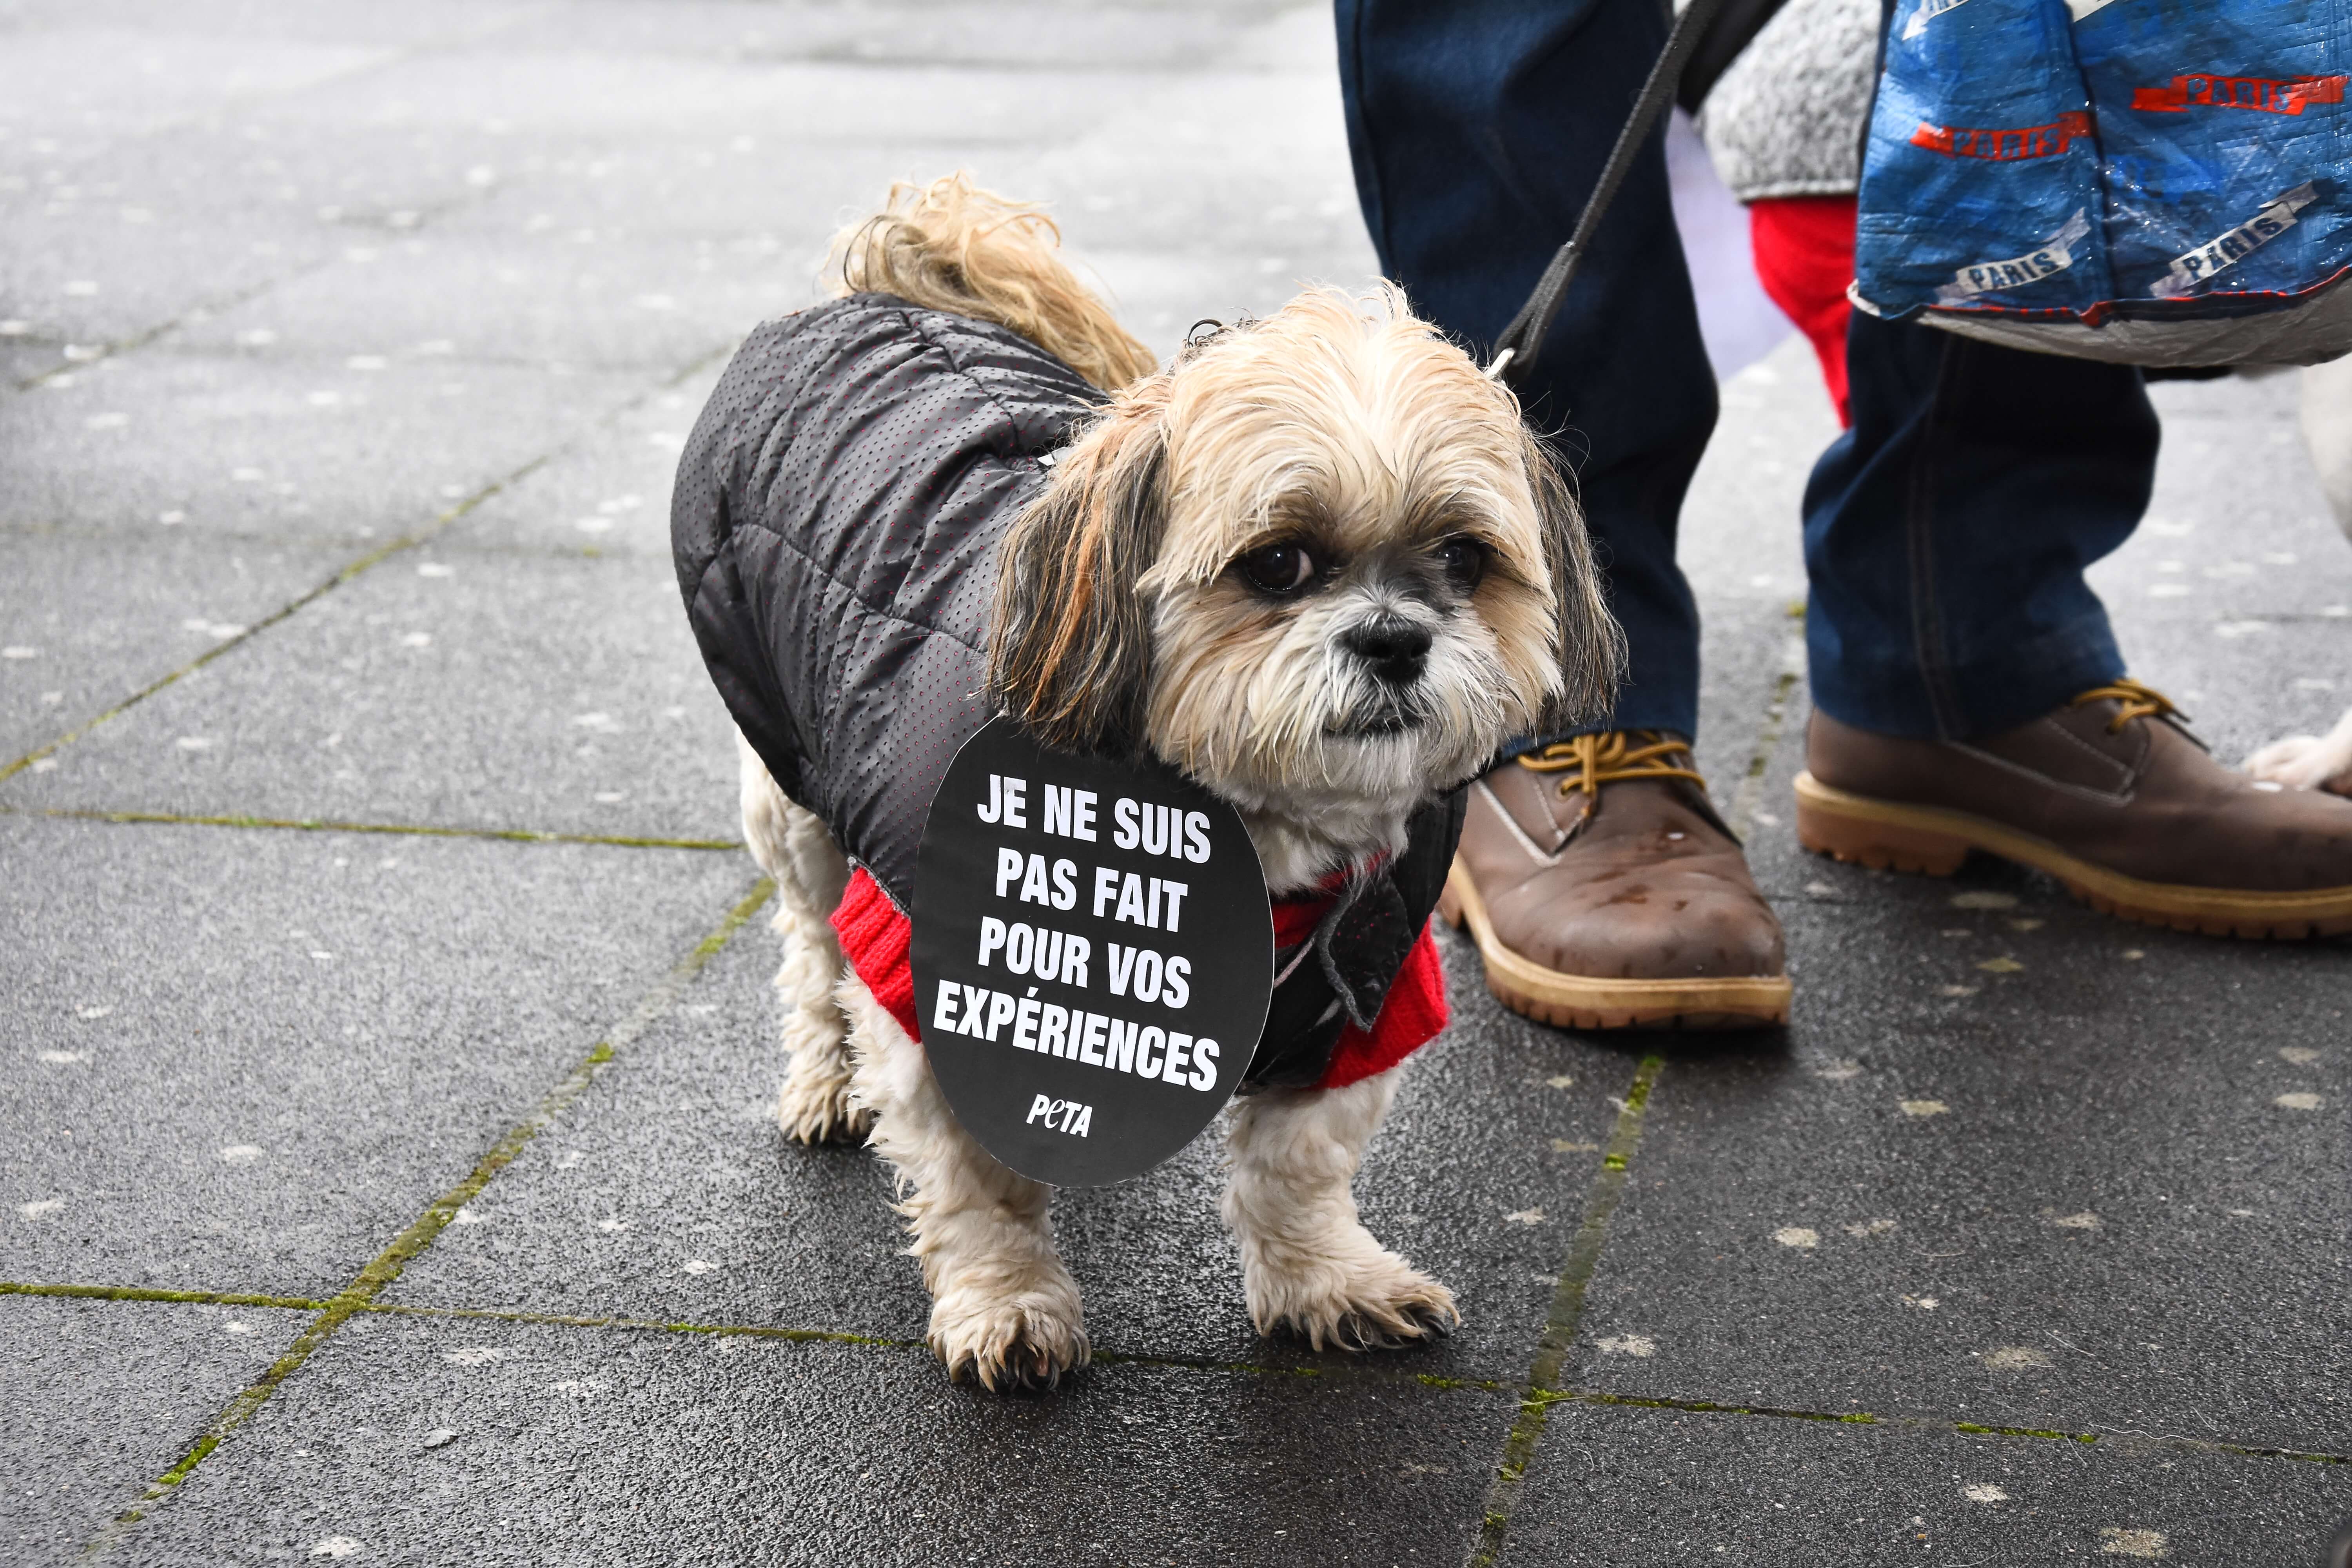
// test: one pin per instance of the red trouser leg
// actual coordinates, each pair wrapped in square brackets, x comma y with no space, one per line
[1804,258]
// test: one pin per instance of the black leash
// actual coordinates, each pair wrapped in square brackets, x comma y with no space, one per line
[1517,349]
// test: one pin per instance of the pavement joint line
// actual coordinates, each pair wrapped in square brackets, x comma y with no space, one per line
[374,557]
[1567,1316]
[380,59]
[345,574]
[412,1243]
[203,310]
[1343,1372]
[2167,1441]
[1749,793]
[330,824]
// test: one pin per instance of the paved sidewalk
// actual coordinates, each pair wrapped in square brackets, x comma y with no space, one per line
[390,1171]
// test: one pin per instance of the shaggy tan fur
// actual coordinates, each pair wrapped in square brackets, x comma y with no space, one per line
[1353,429]
[951,245]
[1133,617]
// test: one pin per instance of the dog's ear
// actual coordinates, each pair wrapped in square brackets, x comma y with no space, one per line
[1591,646]
[1070,656]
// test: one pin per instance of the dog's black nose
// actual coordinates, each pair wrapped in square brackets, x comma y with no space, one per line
[1395,648]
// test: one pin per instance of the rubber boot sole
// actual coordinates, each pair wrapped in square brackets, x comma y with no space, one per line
[1584,1002]
[1889,835]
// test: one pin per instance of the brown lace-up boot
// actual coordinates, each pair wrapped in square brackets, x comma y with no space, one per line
[2111,795]
[1604,892]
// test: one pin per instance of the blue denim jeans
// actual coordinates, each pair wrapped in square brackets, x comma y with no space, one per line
[1946,534]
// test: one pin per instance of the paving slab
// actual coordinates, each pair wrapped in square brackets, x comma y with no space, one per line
[586,1447]
[2114,1131]
[255,1057]
[1216,194]
[439,689]
[607,493]
[1742,530]
[88,620]
[1630,1487]
[125,258]
[1032,36]
[649,303]
[104,1397]
[2072,1176]
[345,24]
[130,80]
[237,190]
[307,447]
[811,104]
[668,1193]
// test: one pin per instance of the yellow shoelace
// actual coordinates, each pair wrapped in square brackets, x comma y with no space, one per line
[2132,699]
[1610,757]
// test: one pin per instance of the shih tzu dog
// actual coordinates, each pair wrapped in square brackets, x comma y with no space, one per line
[2308,761]
[1315,563]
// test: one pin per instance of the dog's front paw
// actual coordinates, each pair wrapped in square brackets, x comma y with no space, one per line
[815,1108]
[1372,1300]
[1025,1343]
[2289,762]
[2308,762]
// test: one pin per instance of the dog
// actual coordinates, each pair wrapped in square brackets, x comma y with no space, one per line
[2308,761]
[1317,564]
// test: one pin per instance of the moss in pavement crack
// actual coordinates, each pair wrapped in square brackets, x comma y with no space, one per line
[387,1264]
[221,648]
[1567,1315]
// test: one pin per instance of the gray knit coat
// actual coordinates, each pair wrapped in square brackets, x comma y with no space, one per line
[1786,118]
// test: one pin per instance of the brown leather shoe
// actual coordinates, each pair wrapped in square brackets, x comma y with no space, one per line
[1604,893]
[2110,796]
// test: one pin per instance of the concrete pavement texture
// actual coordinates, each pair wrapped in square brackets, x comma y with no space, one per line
[390,1170]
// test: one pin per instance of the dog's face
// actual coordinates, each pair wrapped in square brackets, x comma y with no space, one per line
[1317,564]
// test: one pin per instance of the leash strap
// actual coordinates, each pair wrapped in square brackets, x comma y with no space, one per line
[1517,349]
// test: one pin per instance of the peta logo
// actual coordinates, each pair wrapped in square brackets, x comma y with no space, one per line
[1062,1115]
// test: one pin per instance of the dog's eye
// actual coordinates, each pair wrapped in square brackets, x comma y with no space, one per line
[1463,561]
[1283,568]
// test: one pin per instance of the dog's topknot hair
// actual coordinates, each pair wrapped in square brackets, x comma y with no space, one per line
[951,245]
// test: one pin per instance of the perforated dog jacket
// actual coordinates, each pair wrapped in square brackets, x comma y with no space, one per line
[835,524]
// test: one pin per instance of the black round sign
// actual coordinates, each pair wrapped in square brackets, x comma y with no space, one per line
[1092,956]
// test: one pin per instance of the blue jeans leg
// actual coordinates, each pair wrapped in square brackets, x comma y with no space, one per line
[1948,532]
[1477,128]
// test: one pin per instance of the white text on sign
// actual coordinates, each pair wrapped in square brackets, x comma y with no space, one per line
[1117,1045]
[1063,1115]
[1142,825]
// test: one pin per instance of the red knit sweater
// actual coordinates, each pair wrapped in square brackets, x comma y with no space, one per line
[874,938]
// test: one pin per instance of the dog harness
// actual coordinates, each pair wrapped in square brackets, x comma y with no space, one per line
[836,526]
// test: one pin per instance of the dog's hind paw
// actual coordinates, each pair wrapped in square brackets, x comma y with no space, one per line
[1367,1305]
[818,1111]
[1009,1348]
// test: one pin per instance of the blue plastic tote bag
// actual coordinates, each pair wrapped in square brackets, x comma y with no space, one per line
[2151,182]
